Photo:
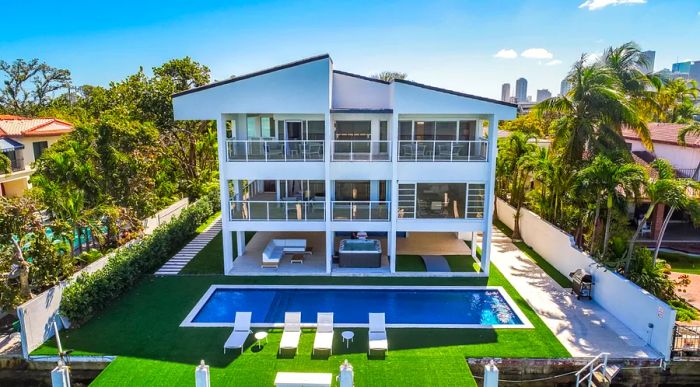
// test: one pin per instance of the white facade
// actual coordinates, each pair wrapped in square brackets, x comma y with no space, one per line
[304,148]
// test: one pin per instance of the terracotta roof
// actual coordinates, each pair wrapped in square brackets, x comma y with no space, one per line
[664,133]
[14,126]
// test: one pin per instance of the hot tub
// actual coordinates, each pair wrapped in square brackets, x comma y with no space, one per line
[360,253]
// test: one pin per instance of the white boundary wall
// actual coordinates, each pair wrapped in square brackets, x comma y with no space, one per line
[36,315]
[647,316]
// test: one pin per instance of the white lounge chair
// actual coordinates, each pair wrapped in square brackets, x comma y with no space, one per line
[324,332]
[292,331]
[241,330]
[377,333]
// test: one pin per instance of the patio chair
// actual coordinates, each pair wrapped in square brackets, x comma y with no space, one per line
[324,333]
[408,152]
[291,332]
[275,151]
[377,333]
[241,330]
[313,151]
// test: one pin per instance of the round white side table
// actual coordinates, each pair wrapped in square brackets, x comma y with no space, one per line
[260,336]
[348,336]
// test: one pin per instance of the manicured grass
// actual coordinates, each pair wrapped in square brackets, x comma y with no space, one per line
[211,259]
[560,278]
[681,263]
[142,329]
[207,222]
[458,263]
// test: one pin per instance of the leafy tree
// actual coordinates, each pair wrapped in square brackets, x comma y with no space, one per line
[5,164]
[518,155]
[693,129]
[28,86]
[674,101]
[389,76]
[530,124]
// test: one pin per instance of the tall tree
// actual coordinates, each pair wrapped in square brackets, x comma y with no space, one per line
[29,86]
[389,76]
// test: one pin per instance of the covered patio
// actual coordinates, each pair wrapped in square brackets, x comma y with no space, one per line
[250,262]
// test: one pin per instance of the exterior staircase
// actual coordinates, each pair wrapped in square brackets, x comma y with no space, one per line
[597,372]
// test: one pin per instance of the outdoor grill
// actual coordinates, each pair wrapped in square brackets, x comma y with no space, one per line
[582,284]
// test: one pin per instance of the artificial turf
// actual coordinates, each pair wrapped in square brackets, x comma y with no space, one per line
[210,259]
[142,330]
[529,252]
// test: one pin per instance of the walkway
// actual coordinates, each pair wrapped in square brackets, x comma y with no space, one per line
[692,292]
[184,256]
[583,327]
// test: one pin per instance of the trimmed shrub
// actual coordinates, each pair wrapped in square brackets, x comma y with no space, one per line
[93,292]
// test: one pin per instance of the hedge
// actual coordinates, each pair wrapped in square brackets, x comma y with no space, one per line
[93,292]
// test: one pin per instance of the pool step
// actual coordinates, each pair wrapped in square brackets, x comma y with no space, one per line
[184,256]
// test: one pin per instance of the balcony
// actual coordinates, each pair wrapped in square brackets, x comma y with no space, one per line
[285,211]
[274,150]
[361,150]
[362,211]
[443,151]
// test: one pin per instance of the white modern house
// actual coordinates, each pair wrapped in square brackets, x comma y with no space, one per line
[341,174]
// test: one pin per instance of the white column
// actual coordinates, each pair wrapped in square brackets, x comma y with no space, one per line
[472,244]
[201,375]
[394,137]
[490,195]
[60,376]
[224,192]
[240,242]
[491,375]
[328,179]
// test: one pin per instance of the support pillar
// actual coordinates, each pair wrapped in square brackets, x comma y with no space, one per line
[472,244]
[228,250]
[657,220]
[391,249]
[330,247]
[240,243]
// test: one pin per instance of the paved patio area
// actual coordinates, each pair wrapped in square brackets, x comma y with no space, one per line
[692,292]
[583,327]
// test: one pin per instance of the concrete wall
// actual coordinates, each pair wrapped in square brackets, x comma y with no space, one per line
[647,316]
[679,156]
[352,92]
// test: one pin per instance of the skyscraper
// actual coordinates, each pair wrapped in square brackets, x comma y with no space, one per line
[543,94]
[649,56]
[689,70]
[565,87]
[521,89]
[505,92]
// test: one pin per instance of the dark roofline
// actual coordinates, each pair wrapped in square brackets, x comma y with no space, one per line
[361,110]
[255,74]
[361,77]
[457,93]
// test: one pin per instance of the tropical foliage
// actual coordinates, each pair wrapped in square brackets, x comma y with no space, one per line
[585,181]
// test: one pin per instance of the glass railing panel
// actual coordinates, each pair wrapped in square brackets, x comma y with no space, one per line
[360,150]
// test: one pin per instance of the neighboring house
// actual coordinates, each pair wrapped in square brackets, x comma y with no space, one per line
[23,140]
[680,233]
[311,157]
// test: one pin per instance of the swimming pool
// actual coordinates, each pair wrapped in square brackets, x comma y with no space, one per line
[405,307]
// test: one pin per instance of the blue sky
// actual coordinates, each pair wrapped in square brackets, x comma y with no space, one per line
[451,44]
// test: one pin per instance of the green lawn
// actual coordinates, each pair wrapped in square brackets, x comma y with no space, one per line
[210,259]
[458,263]
[560,278]
[681,263]
[142,329]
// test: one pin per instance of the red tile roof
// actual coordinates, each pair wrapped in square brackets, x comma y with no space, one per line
[664,133]
[15,126]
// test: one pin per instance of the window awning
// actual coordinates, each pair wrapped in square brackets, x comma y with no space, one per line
[7,144]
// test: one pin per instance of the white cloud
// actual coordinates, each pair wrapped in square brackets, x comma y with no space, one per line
[537,53]
[592,58]
[553,62]
[593,5]
[506,53]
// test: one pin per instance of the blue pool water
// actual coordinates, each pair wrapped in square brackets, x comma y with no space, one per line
[351,306]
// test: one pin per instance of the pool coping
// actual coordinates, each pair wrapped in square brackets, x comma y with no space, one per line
[525,322]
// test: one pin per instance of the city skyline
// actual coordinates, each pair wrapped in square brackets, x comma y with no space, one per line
[214,34]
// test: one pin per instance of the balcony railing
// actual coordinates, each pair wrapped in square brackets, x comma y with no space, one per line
[274,150]
[245,210]
[16,162]
[476,150]
[688,173]
[370,211]
[361,150]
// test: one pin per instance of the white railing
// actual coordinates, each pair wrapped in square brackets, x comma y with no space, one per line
[247,210]
[585,374]
[371,211]
[440,150]
[274,150]
[361,150]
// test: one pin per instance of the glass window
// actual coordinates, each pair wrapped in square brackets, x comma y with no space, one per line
[230,129]
[352,190]
[383,130]
[440,200]
[405,130]
[353,130]
[446,130]
[280,130]
[467,130]
[425,130]
[316,130]
[39,148]
[475,201]
[267,127]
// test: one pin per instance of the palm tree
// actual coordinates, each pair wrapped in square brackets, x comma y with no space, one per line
[518,156]
[667,190]
[625,62]
[674,100]
[611,181]
[594,109]
[692,129]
